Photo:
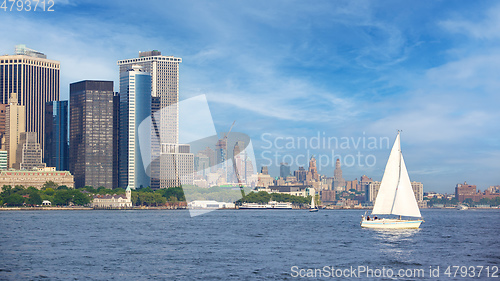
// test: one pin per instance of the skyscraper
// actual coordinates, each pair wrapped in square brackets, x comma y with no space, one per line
[313,171]
[135,106]
[240,159]
[176,165]
[338,180]
[284,170]
[300,174]
[29,152]
[164,71]
[14,125]
[3,119]
[201,164]
[221,154]
[56,152]
[364,183]
[210,153]
[35,79]
[91,133]
[249,166]
[264,170]
[116,138]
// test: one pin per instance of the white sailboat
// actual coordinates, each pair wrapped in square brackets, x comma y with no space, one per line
[313,206]
[395,196]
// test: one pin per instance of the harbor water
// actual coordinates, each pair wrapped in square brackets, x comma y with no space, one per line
[244,245]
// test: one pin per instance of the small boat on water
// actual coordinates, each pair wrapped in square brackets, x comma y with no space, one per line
[462,207]
[313,207]
[395,196]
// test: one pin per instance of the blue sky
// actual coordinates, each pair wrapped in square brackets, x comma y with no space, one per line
[293,69]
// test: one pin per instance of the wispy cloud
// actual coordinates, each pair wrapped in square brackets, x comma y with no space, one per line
[486,28]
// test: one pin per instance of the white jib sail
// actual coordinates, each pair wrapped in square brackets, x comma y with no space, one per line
[387,192]
[405,203]
[312,203]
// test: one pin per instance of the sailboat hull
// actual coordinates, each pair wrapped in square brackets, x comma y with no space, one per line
[391,224]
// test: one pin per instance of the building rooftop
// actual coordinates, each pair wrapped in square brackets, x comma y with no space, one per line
[23,50]
[107,196]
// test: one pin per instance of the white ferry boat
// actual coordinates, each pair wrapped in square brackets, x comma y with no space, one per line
[254,206]
[272,205]
[280,205]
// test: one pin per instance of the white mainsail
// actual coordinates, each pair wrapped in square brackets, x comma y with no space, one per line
[387,191]
[395,196]
[313,206]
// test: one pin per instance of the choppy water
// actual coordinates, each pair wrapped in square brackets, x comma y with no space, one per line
[237,245]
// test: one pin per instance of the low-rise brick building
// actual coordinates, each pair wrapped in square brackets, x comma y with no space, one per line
[36,179]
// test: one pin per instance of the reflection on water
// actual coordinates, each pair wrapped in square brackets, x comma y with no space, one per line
[395,235]
[397,244]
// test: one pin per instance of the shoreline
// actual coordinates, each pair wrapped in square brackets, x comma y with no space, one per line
[177,209]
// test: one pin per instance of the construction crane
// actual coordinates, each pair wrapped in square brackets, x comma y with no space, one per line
[227,134]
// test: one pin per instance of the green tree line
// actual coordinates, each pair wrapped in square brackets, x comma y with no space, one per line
[64,196]
[30,196]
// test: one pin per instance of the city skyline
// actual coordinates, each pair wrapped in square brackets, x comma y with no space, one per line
[346,69]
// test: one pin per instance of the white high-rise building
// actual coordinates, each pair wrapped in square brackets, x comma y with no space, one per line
[164,71]
[177,165]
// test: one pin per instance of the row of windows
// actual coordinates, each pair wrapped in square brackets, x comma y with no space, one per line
[31,62]
[153,58]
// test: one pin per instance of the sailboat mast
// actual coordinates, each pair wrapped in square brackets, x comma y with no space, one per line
[399,174]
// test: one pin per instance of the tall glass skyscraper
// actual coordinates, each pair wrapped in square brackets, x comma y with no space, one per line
[135,107]
[56,151]
[35,79]
[91,133]
[164,90]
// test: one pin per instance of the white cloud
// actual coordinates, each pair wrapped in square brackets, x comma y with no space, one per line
[488,28]
[474,72]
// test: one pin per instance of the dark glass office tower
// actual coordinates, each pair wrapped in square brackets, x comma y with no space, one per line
[56,151]
[116,138]
[91,133]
